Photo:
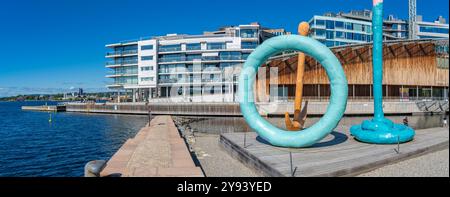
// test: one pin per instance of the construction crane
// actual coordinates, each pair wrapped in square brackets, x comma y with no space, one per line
[412,10]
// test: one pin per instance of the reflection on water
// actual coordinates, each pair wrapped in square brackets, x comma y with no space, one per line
[31,146]
[217,125]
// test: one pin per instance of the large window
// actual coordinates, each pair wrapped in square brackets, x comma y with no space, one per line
[349,36]
[329,43]
[216,45]
[340,34]
[146,47]
[230,55]
[339,25]
[147,68]
[320,32]
[126,80]
[147,58]
[172,58]
[169,48]
[357,36]
[320,22]
[329,25]
[193,46]
[191,57]
[434,30]
[330,34]
[348,26]
[249,33]
[146,79]
[126,70]
[357,27]
[249,45]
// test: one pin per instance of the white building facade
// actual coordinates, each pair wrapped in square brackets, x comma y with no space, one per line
[185,68]
[355,27]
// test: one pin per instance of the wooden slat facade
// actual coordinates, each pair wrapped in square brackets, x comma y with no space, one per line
[412,64]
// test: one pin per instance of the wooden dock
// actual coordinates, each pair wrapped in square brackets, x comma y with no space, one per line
[49,108]
[338,154]
[156,151]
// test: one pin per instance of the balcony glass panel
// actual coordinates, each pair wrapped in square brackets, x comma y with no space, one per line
[339,25]
[320,23]
[249,45]
[216,45]
[169,48]
[172,58]
[249,33]
[193,46]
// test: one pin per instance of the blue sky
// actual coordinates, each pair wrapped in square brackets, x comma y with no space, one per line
[49,46]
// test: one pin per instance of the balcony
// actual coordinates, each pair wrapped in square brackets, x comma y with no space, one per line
[173,80]
[121,63]
[113,74]
[169,49]
[216,46]
[121,53]
[231,57]
[172,59]
[193,48]
[204,58]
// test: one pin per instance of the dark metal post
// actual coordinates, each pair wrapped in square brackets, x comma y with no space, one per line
[245,139]
[293,170]
[149,115]
[398,145]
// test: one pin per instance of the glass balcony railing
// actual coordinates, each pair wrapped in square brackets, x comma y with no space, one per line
[124,83]
[211,80]
[193,48]
[249,46]
[169,49]
[205,58]
[122,62]
[127,52]
[216,47]
[231,57]
[173,80]
[132,72]
[172,59]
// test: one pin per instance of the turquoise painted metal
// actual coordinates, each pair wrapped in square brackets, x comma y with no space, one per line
[380,130]
[338,99]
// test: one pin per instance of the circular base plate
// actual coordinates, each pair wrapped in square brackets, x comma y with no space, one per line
[382,131]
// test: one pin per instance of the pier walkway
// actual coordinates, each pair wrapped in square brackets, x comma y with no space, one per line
[339,154]
[156,151]
[233,109]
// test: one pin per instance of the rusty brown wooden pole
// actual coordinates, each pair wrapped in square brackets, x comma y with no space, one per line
[303,30]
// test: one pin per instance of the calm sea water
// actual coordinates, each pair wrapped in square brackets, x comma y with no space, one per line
[32,146]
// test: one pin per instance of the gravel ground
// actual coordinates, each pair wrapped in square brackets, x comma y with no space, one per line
[430,165]
[215,161]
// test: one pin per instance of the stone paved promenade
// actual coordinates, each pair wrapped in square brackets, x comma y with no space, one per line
[156,151]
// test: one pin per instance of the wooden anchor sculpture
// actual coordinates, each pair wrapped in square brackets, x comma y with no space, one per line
[299,114]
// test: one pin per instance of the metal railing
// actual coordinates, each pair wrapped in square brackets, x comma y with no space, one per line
[122,62]
[127,52]
[169,49]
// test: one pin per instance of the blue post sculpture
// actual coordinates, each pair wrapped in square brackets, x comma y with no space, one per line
[380,130]
[338,84]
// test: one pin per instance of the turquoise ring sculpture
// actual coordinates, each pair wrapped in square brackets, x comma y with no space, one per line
[380,130]
[338,100]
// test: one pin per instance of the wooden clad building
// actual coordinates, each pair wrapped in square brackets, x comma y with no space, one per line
[412,69]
